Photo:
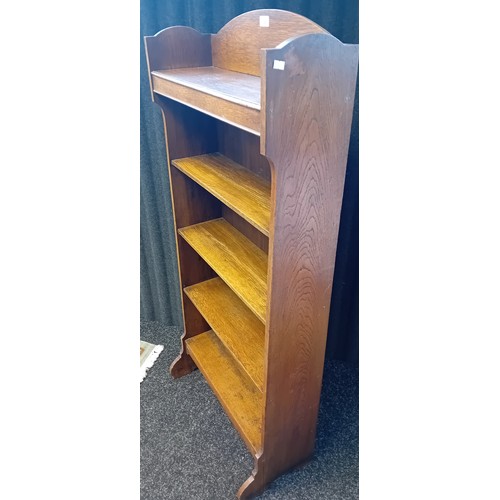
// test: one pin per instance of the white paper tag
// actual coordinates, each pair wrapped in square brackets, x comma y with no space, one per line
[279,64]
[264,21]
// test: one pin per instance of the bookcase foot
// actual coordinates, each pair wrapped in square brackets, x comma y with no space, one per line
[254,485]
[182,365]
[250,488]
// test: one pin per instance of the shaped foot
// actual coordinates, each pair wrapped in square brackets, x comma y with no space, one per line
[254,485]
[182,365]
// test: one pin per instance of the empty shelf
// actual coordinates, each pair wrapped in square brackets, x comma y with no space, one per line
[240,398]
[240,263]
[227,95]
[240,189]
[235,325]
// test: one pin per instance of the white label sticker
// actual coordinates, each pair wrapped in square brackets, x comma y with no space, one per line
[279,64]
[264,21]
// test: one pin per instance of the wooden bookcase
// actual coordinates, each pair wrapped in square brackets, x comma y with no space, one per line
[257,121]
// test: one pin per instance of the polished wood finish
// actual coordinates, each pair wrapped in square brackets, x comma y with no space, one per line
[188,132]
[191,204]
[240,397]
[228,85]
[258,287]
[177,47]
[307,147]
[241,190]
[243,148]
[254,235]
[237,46]
[235,325]
[229,96]
[240,263]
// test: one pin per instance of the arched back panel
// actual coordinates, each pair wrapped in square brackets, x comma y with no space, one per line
[236,47]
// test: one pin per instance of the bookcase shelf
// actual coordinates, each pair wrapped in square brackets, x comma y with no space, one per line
[241,190]
[240,263]
[239,397]
[257,121]
[228,95]
[234,324]
[231,86]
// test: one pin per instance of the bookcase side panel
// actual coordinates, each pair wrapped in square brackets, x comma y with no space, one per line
[177,47]
[307,109]
[188,133]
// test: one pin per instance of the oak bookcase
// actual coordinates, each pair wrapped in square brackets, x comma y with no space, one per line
[257,122]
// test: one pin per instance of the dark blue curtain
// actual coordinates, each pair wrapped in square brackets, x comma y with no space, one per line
[160,298]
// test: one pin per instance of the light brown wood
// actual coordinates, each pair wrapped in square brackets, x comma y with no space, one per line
[239,397]
[240,263]
[233,323]
[237,45]
[243,148]
[238,188]
[254,235]
[229,96]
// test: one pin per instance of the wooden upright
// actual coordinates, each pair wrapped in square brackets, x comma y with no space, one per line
[257,120]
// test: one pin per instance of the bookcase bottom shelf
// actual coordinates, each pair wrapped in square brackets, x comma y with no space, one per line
[240,398]
[235,325]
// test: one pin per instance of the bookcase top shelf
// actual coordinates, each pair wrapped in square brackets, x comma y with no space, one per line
[235,87]
[220,74]
[227,95]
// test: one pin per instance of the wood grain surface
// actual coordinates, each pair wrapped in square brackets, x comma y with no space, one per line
[258,293]
[240,263]
[237,45]
[236,87]
[238,188]
[243,148]
[187,133]
[233,323]
[306,144]
[239,397]
[254,235]
[232,97]
[177,47]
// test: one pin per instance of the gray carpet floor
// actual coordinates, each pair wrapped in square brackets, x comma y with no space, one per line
[190,450]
